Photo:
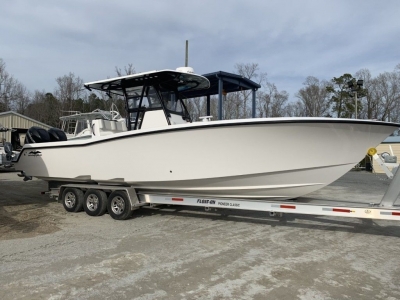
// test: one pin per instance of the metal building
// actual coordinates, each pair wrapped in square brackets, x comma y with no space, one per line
[18,125]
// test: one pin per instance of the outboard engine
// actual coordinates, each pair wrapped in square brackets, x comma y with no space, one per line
[57,135]
[8,148]
[36,135]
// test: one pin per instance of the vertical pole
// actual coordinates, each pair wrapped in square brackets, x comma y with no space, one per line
[220,88]
[356,102]
[208,106]
[253,104]
[187,53]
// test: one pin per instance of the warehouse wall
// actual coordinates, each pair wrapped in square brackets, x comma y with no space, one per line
[15,120]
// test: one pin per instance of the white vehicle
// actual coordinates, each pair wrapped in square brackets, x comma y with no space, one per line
[162,151]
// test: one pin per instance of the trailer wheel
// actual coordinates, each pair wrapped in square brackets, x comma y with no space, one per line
[72,199]
[95,202]
[119,206]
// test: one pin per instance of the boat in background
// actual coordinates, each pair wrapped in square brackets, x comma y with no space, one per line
[80,125]
[160,149]
[7,154]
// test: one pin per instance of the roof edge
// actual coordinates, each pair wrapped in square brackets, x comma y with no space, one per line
[25,117]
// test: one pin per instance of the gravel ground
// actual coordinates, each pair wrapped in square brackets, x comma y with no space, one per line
[184,253]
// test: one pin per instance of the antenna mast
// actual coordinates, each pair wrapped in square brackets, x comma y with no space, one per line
[186,53]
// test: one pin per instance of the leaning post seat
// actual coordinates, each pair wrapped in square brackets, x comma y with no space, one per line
[57,135]
[36,135]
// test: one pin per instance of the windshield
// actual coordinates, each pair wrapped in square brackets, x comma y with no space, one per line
[174,104]
[171,102]
[150,98]
[80,126]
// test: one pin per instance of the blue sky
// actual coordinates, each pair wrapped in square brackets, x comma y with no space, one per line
[290,40]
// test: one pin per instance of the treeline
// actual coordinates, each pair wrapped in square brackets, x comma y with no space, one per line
[378,98]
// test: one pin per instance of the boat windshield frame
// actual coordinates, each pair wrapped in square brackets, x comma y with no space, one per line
[166,84]
[141,99]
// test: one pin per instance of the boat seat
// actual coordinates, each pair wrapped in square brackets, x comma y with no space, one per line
[102,127]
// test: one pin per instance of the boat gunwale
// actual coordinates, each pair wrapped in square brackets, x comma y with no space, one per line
[198,126]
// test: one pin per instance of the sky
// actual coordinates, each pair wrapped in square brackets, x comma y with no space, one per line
[289,40]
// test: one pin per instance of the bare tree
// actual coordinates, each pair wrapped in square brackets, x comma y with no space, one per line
[22,99]
[272,102]
[295,109]
[386,92]
[70,88]
[314,97]
[13,94]
[241,100]
[129,70]
[369,103]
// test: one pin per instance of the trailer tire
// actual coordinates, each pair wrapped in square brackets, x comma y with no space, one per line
[95,202]
[72,199]
[119,206]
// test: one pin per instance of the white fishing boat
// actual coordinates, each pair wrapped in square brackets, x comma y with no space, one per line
[159,149]
[76,124]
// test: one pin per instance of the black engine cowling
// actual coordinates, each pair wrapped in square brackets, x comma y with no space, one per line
[57,135]
[36,135]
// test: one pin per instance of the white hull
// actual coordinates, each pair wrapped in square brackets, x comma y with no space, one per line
[259,158]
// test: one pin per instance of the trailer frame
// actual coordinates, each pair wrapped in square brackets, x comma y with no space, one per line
[384,210]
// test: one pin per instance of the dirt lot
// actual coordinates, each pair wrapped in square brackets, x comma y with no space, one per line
[183,253]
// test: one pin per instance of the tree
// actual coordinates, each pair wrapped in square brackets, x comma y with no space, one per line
[386,94]
[342,97]
[295,109]
[271,102]
[44,108]
[314,98]
[368,102]
[13,94]
[69,88]
[238,103]
[129,70]
[94,102]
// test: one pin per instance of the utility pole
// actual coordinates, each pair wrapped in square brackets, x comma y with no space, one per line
[355,95]
[355,88]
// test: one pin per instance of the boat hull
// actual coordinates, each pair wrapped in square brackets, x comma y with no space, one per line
[252,159]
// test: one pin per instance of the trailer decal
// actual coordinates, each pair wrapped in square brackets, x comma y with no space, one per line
[227,204]
[206,201]
[390,213]
[283,206]
[343,210]
[177,199]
